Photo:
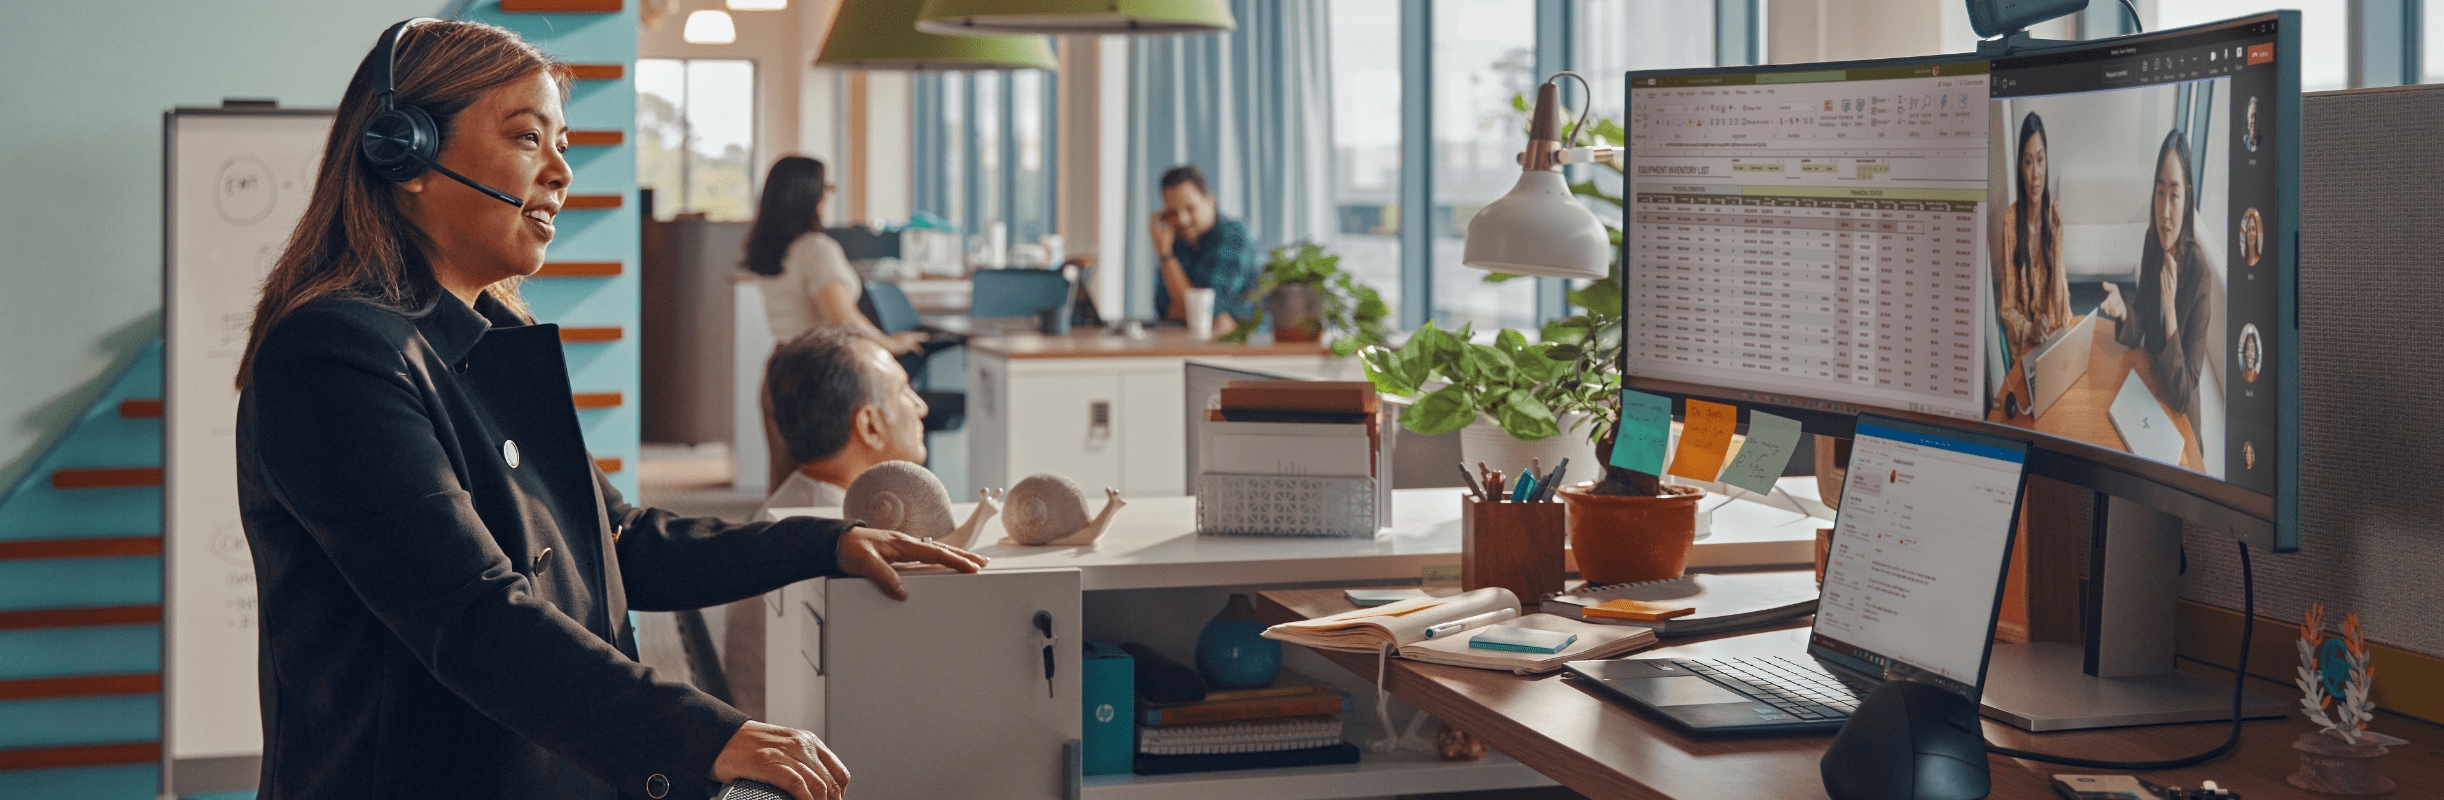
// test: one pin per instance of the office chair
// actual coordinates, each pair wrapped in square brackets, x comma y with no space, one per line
[888,308]
[1017,292]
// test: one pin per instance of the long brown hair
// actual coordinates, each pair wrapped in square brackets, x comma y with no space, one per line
[353,240]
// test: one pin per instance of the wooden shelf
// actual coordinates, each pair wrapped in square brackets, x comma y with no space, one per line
[598,72]
[597,138]
[106,478]
[80,686]
[587,400]
[85,755]
[561,6]
[1374,775]
[609,464]
[607,333]
[140,408]
[104,547]
[592,202]
[79,617]
[580,269]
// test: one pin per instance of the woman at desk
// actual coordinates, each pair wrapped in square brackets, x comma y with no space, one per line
[1201,249]
[445,575]
[805,276]
[2168,315]
[2036,294]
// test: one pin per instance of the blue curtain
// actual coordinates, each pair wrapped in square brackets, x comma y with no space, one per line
[1249,107]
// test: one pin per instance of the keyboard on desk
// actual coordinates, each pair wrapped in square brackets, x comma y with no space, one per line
[1795,685]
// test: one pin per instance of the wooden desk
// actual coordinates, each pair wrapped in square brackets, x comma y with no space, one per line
[2084,411]
[1606,750]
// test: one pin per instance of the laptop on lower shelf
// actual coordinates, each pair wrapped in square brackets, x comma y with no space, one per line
[1913,581]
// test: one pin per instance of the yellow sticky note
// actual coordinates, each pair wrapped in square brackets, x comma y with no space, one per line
[1705,438]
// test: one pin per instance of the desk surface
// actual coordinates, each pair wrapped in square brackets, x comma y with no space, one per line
[1153,543]
[1604,749]
[2084,411]
[1016,339]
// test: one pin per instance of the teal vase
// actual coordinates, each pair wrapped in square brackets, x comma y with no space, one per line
[1232,652]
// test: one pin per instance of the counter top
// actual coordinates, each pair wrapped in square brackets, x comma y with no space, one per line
[1153,543]
[1013,340]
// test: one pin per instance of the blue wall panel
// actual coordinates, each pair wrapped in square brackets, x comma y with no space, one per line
[98,438]
[119,782]
[55,652]
[80,720]
[80,582]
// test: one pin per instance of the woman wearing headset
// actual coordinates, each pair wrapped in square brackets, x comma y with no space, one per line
[444,574]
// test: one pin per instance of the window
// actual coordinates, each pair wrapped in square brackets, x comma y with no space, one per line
[1030,175]
[1616,36]
[695,122]
[985,153]
[1364,62]
[1484,54]
[2325,34]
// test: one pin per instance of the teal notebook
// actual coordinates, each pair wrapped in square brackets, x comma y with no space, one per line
[1516,639]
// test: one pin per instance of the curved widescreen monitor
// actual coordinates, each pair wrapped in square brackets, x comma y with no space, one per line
[2093,241]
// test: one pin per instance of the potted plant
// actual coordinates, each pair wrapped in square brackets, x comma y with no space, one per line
[1306,294]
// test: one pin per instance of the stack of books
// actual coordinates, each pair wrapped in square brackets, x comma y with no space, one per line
[1295,724]
[1263,444]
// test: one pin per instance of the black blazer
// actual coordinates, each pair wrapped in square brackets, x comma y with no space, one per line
[445,578]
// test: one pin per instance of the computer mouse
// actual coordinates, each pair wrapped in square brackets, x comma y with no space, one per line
[1908,740]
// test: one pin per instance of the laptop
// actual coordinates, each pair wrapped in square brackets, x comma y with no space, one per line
[1913,580]
[2141,421]
[2052,367]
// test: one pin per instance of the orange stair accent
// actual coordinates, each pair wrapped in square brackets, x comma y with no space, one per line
[80,686]
[86,755]
[597,138]
[106,478]
[580,269]
[81,548]
[596,399]
[144,408]
[608,463]
[591,202]
[79,617]
[608,333]
[598,72]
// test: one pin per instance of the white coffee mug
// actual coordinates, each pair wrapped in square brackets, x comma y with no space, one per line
[1201,313]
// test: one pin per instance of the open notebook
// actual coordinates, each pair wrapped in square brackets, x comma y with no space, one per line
[1403,625]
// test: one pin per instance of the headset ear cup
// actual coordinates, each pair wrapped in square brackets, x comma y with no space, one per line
[399,143]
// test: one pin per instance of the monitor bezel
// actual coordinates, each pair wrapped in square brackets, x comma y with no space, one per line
[2269,521]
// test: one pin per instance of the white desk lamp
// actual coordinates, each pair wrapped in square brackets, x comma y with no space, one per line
[1539,228]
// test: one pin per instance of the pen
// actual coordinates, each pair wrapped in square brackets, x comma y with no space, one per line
[1552,480]
[1525,489]
[1493,486]
[1470,481]
[1478,621]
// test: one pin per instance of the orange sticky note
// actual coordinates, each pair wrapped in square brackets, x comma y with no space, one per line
[1635,610]
[1705,439]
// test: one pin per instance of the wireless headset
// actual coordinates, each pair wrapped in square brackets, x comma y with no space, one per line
[402,142]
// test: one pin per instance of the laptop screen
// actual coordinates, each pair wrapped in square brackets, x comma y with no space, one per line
[1914,575]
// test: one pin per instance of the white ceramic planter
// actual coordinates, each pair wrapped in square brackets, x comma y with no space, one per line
[1485,441]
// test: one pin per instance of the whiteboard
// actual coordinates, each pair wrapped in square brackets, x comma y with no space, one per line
[235,183]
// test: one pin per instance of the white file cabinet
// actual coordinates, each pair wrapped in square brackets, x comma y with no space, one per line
[1103,410]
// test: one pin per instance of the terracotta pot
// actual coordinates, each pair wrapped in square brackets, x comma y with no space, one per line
[2333,766]
[1631,539]
[1297,313]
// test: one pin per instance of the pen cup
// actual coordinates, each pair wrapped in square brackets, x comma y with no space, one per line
[1517,546]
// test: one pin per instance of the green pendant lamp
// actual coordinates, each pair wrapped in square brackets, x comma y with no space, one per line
[979,17]
[882,34]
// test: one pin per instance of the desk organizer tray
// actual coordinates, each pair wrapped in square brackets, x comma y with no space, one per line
[1287,505]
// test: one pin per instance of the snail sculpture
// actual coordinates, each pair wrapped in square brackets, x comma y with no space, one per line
[901,496]
[1049,510]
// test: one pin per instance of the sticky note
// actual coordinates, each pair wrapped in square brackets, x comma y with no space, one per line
[1635,610]
[1705,438]
[1759,463]
[1646,423]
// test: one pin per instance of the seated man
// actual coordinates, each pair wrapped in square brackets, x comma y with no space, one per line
[842,405]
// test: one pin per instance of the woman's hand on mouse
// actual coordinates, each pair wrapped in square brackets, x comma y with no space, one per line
[791,760]
[868,553]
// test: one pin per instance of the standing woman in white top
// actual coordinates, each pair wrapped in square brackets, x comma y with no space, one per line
[804,274]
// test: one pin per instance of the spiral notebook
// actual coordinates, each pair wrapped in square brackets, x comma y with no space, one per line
[1724,601]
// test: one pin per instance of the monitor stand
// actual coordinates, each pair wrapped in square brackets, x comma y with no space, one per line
[2123,675]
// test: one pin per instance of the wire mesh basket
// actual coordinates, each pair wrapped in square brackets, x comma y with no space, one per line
[1286,505]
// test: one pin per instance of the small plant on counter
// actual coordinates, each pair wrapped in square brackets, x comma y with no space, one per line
[1315,297]
[1527,388]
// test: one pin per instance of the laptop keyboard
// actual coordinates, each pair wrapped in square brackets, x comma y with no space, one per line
[1799,687]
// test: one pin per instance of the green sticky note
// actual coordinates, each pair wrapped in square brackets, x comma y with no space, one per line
[1646,425]
[1771,440]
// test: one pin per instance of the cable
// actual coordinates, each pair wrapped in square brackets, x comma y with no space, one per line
[2240,681]
[2135,25]
[1571,139]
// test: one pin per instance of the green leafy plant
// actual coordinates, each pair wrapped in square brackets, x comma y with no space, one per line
[1352,309]
[1525,387]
